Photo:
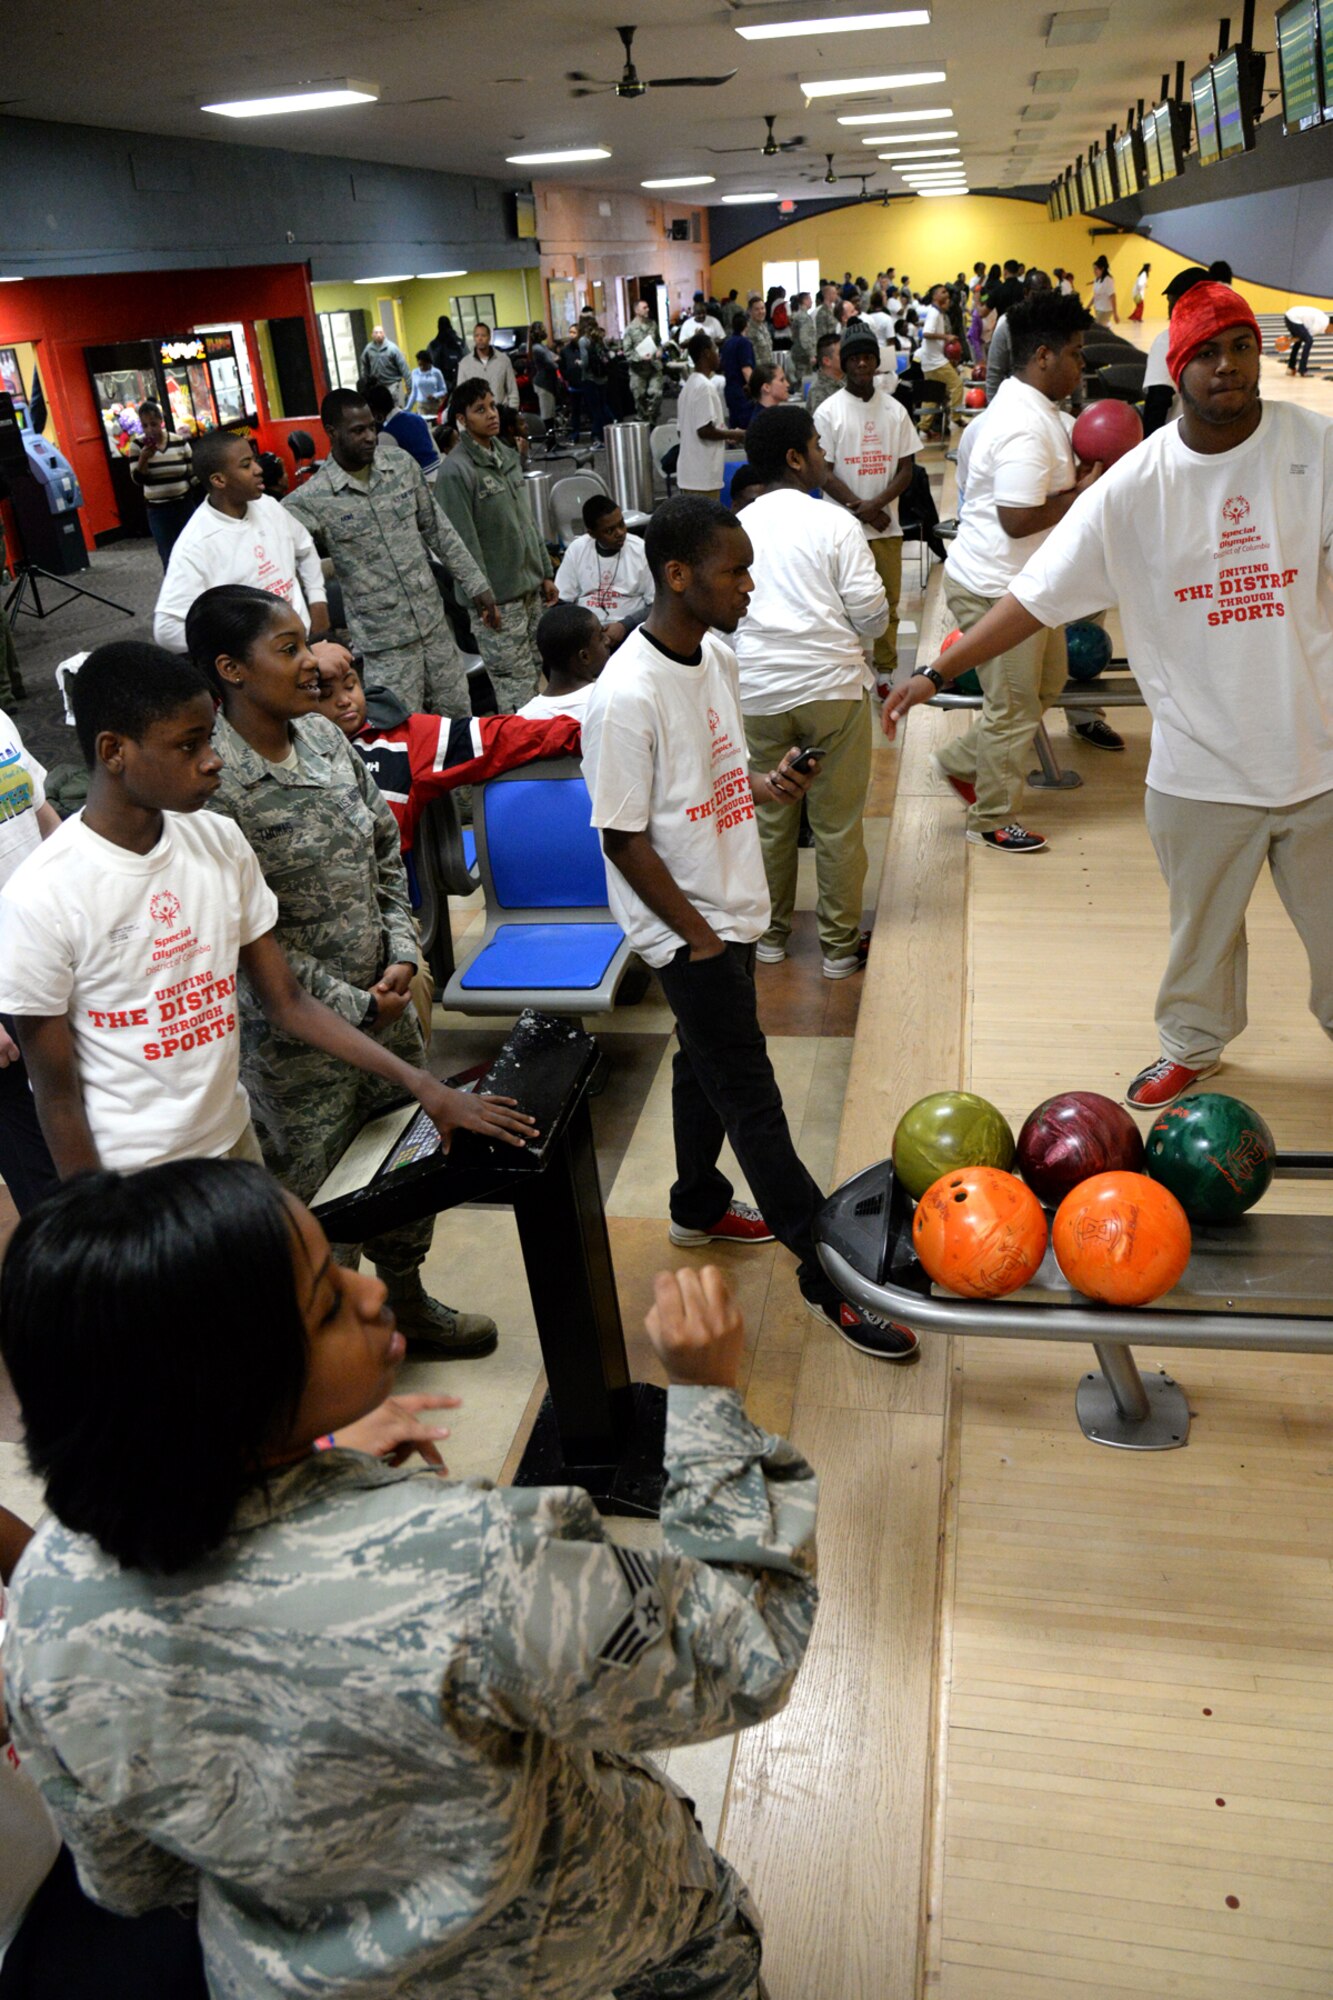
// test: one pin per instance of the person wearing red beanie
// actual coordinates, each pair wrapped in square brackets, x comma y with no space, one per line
[1215,538]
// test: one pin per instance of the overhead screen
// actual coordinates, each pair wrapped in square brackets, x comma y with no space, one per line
[1298,60]
[1205,117]
[1325,13]
[1127,163]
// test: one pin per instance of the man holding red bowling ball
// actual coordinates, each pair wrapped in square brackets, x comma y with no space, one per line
[1215,537]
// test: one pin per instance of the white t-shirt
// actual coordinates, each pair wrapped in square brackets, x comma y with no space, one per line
[664,752]
[817,595]
[934,333]
[1156,374]
[22,791]
[866,442]
[702,401]
[611,587]
[1222,566]
[543,707]
[1103,294]
[268,548]
[883,326]
[1313,318]
[690,326]
[141,950]
[1022,456]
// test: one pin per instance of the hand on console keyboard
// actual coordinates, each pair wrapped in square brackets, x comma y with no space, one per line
[461,1110]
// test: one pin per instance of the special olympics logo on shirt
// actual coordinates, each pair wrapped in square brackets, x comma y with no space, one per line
[1235,510]
[714,721]
[164,907]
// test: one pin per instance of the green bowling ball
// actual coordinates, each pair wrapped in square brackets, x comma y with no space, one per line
[968,683]
[950,1128]
[1214,1153]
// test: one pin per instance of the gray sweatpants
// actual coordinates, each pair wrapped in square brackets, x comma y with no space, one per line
[1210,856]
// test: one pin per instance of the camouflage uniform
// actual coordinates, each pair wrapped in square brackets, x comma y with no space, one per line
[378,533]
[803,338]
[646,377]
[760,338]
[391,1737]
[482,495]
[826,321]
[329,848]
[821,389]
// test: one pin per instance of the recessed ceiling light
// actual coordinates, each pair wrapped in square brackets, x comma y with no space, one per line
[906,138]
[931,153]
[912,117]
[735,200]
[443,274]
[682,181]
[836,24]
[299,97]
[939,194]
[878,117]
[569,155]
[857,86]
[398,278]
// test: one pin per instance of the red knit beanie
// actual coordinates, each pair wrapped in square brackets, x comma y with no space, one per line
[1204,310]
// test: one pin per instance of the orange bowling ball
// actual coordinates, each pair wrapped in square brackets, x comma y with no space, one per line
[979,1232]
[1121,1238]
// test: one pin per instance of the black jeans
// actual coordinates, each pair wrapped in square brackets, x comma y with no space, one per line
[25,1164]
[68,1948]
[1302,345]
[723,1087]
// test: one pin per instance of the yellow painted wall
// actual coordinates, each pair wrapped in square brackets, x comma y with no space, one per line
[422,300]
[935,239]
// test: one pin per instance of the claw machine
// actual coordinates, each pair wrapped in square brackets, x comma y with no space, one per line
[202,381]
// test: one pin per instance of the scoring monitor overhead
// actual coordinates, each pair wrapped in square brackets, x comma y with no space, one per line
[1298,63]
[1205,117]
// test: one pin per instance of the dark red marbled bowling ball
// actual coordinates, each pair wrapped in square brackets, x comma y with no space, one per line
[1069,1138]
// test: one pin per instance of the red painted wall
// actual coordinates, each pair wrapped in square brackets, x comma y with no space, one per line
[62,316]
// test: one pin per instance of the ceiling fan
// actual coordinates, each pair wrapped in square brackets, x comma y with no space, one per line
[828,178]
[863,178]
[631,84]
[771,146]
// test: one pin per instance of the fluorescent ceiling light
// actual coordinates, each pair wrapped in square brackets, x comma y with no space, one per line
[910,117]
[443,274]
[569,155]
[11,281]
[300,97]
[836,24]
[878,117]
[936,194]
[954,173]
[910,138]
[856,86]
[931,153]
[399,278]
[734,200]
[682,181]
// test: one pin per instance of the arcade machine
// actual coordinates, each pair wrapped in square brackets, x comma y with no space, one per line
[199,380]
[43,528]
[596,1428]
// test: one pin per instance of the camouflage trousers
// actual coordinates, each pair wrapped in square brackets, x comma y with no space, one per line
[511,656]
[307,1107]
[719,1960]
[427,675]
[647,396]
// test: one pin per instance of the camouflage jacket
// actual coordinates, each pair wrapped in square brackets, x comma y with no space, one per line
[760,337]
[803,342]
[329,848]
[482,494]
[378,535]
[636,335]
[826,321]
[389,1736]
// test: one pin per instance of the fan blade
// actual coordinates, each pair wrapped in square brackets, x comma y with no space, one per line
[689,82]
[790,145]
[598,90]
[733,149]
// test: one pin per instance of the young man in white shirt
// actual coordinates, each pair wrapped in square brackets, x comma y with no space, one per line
[606,569]
[701,415]
[871,445]
[935,363]
[1021,479]
[1305,324]
[574,648]
[122,936]
[800,649]
[700,320]
[665,759]
[1214,537]
[238,536]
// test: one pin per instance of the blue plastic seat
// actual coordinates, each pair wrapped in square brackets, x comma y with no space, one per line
[550,940]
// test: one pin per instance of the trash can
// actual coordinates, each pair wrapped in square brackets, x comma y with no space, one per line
[629,466]
[539,499]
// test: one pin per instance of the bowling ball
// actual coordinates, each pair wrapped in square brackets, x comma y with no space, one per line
[974,399]
[1089,650]
[1215,1154]
[1106,431]
[1069,1138]
[1121,1238]
[953,350]
[979,1232]
[967,683]
[945,1131]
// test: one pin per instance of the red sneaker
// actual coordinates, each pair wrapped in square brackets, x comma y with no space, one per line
[962,788]
[868,1332]
[1162,1082]
[741,1224]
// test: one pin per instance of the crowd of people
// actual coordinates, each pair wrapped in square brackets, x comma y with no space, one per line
[309,1720]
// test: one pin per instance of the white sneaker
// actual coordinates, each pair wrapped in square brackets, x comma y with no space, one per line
[770,954]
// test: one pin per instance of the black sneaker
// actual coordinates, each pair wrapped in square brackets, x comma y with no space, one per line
[1097,732]
[1013,839]
[867,1332]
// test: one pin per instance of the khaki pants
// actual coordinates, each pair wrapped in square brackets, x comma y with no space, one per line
[836,804]
[953,382]
[246,1147]
[1018,687]
[1210,855]
[886,552]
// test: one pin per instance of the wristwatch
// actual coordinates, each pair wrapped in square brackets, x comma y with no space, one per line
[371,1015]
[931,674]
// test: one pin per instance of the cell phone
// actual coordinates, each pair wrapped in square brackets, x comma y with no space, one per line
[807,759]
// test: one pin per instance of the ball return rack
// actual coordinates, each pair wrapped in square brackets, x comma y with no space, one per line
[1082,700]
[1264,1282]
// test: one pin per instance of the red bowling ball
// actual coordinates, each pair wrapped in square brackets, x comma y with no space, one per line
[1069,1138]
[1106,431]
[974,399]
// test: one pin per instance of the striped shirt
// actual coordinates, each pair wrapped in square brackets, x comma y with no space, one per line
[166,475]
